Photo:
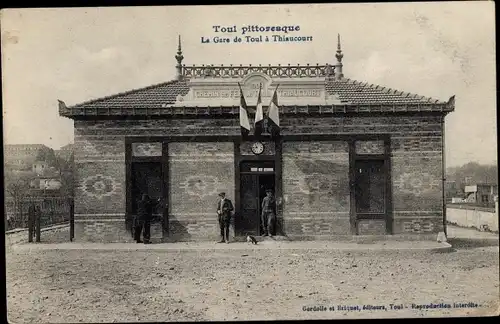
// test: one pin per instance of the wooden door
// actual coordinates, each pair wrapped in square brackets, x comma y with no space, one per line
[370,189]
[248,220]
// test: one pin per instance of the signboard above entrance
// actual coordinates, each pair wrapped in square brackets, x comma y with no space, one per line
[225,92]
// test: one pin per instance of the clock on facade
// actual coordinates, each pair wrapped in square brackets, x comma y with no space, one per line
[257,148]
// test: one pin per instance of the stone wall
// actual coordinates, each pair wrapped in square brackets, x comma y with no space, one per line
[477,218]
[197,173]
[316,188]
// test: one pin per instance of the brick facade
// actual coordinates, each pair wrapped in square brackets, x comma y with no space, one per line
[416,165]
[417,175]
[316,188]
[197,173]
[315,175]
[371,227]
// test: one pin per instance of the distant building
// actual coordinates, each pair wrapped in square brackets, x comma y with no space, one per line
[452,189]
[21,156]
[65,151]
[45,183]
[39,167]
[46,179]
[481,193]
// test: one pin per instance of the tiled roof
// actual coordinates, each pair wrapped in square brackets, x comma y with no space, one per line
[355,92]
[153,96]
[349,92]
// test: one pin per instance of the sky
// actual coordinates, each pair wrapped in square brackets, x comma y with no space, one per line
[435,49]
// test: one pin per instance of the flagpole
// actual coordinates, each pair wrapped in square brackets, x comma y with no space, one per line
[269,118]
[259,114]
[244,121]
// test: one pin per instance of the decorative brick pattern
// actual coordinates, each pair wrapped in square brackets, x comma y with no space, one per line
[317,225]
[315,180]
[315,174]
[147,149]
[204,228]
[200,186]
[371,227]
[98,148]
[198,172]
[246,148]
[204,151]
[369,147]
[417,183]
[199,228]
[100,172]
[97,231]
[401,145]
[418,225]
[100,187]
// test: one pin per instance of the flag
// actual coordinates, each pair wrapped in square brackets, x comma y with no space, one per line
[244,123]
[259,115]
[273,116]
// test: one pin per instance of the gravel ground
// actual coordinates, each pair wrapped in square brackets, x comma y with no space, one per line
[117,286]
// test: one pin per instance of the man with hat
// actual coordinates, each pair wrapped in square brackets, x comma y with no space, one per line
[224,209]
[268,214]
[145,208]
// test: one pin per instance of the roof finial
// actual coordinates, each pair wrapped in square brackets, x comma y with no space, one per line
[338,66]
[179,58]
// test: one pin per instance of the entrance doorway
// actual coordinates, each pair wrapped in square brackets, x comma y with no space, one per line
[370,189]
[146,177]
[256,178]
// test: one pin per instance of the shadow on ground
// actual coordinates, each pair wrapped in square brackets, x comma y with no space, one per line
[470,243]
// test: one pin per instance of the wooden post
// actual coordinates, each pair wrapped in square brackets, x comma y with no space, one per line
[38,216]
[31,215]
[71,219]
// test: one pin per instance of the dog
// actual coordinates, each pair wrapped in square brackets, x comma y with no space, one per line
[484,228]
[251,239]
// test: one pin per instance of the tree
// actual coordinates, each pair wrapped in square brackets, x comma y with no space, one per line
[65,171]
[46,154]
[469,174]
[17,186]
[472,173]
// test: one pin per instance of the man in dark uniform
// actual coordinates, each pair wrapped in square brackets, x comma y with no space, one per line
[268,214]
[224,209]
[143,219]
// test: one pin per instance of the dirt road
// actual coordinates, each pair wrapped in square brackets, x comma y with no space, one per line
[116,286]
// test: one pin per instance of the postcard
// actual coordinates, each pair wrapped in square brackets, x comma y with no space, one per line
[250,162]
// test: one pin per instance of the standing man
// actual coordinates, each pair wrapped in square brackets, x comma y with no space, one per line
[143,221]
[224,209]
[268,215]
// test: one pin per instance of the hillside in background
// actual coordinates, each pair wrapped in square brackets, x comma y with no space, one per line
[472,173]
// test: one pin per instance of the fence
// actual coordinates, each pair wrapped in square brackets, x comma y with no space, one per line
[52,211]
